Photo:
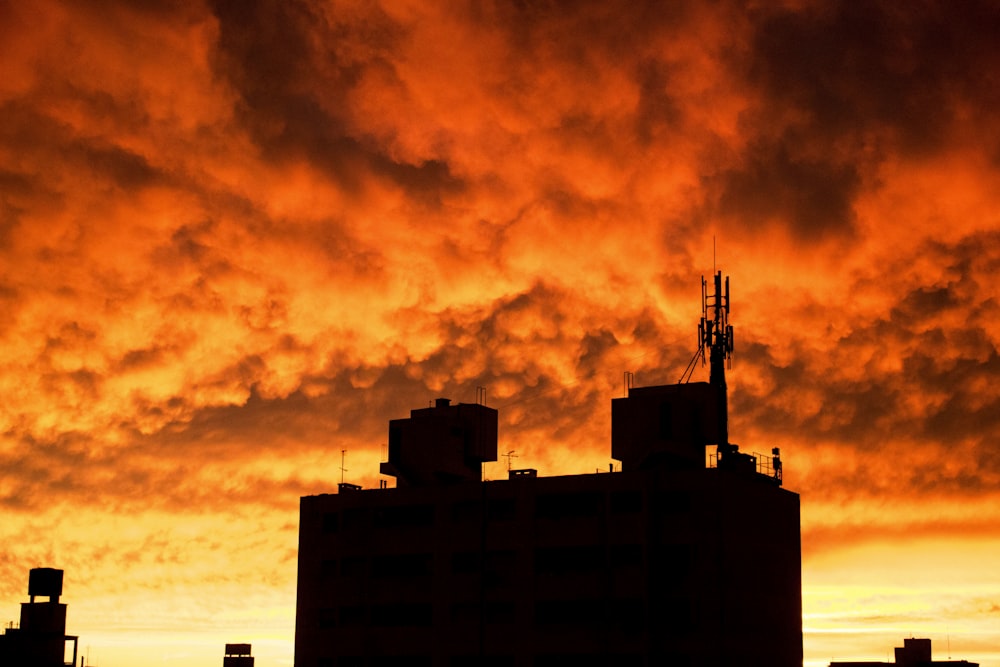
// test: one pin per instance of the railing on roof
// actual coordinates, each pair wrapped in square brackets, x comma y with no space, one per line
[765,465]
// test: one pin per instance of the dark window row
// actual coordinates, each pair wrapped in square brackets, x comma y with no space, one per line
[492,611]
[560,560]
[592,660]
[396,516]
[419,661]
[383,615]
[500,564]
[482,661]
[494,561]
[380,567]
[673,559]
[626,614]
[492,509]
[672,502]
[586,558]
[377,661]
[674,615]
[547,506]
[553,660]
[569,505]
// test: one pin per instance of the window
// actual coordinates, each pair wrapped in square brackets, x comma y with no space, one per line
[592,660]
[666,421]
[492,611]
[625,502]
[625,555]
[567,505]
[355,518]
[482,661]
[673,560]
[576,612]
[627,614]
[400,661]
[465,562]
[496,565]
[675,615]
[327,618]
[353,566]
[404,516]
[395,441]
[498,611]
[401,615]
[672,502]
[501,509]
[560,560]
[352,615]
[401,566]
[467,510]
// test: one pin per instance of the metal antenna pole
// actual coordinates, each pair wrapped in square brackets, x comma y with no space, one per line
[717,338]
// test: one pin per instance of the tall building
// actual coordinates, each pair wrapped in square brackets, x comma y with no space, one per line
[40,640]
[687,556]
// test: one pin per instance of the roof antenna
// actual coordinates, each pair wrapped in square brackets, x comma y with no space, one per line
[716,338]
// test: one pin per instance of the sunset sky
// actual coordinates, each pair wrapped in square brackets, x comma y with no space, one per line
[236,238]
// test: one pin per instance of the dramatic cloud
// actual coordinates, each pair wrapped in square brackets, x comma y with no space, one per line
[236,238]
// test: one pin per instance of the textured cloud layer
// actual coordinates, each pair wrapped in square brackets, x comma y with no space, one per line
[236,238]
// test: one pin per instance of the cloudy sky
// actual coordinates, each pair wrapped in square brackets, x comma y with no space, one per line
[236,238]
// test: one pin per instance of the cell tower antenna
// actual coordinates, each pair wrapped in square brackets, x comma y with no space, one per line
[716,337]
[343,459]
[509,456]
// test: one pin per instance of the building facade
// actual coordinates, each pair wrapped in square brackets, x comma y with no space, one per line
[40,639]
[678,559]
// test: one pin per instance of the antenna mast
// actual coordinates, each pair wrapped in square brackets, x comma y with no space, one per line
[716,336]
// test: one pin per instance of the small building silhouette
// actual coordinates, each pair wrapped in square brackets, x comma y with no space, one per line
[40,640]
[678,559]
[913,653]
[237,655]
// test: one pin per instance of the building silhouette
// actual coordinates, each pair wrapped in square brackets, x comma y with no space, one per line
[40,640]
[238,655]
[913,653]
[687,556]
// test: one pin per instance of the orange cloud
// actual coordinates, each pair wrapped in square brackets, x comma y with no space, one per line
[237,238]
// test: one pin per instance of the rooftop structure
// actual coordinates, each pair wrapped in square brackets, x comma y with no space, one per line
[237,655]
[669,561]
[40,640]
[913,653]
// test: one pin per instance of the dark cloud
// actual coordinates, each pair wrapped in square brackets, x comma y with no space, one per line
[812,196]
[840,88]
[853,68]
[297,69]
